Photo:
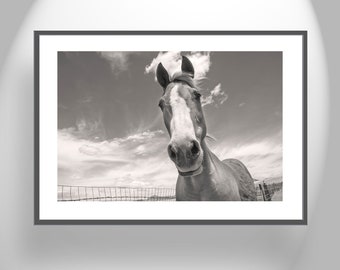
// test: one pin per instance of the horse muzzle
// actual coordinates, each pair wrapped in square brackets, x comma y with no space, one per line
[187,156]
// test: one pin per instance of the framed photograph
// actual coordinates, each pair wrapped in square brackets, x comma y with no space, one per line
[170,127]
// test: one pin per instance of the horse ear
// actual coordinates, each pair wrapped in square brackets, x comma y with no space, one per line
[162,76]
[187,66]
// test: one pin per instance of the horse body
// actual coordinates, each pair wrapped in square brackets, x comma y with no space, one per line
[202,176]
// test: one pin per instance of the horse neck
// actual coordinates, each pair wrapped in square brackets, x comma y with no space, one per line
[210,160]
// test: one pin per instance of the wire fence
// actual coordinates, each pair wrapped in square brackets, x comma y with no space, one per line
[269,192]
[86,193]
[265,192]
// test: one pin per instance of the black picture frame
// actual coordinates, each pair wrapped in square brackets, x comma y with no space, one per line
[37,218]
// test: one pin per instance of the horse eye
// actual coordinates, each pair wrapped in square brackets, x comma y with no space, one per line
[197,95]
[161,104]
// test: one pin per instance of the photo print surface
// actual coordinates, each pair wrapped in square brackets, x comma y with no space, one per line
[118,142]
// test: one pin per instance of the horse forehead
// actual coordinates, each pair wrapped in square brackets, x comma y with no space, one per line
[179,91]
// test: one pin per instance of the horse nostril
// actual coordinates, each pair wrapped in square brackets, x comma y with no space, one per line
[172,152]
[195,149]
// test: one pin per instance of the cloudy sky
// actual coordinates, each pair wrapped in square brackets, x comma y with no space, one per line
[111,131]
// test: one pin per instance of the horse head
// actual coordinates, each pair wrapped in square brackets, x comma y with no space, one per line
[183,118]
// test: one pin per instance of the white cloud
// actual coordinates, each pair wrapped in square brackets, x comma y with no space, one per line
[89,150]
[86,99]
[89,129]
[119,61]
[141,159]
[216,96]
[129,161]
[201,61]
[217,90]
[263,158]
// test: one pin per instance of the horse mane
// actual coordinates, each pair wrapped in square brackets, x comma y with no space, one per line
[208,136]
[187,78]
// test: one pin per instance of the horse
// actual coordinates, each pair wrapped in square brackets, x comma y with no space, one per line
[202,176]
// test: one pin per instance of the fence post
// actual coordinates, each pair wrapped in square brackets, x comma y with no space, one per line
[266,192]
[264,198]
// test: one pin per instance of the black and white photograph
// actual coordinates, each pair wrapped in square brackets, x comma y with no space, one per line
[149,126]
[136,133]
